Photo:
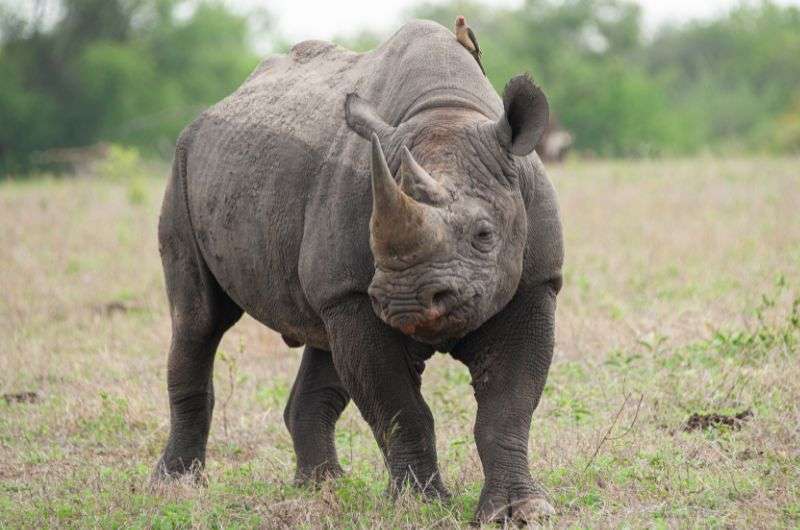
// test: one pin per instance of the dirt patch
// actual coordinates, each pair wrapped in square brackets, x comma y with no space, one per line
[21,397]
[706,421]
[117,307]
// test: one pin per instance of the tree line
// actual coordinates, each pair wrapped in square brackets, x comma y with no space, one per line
[135,72]
[727,84]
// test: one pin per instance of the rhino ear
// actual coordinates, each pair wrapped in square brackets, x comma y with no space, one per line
[525,117]
[362,118]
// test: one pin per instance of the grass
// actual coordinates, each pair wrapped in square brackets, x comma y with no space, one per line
[680,297]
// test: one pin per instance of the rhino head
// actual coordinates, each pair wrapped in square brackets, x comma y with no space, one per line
[449,226]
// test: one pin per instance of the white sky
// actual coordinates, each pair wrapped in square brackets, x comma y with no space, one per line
[322,19]
[298,20]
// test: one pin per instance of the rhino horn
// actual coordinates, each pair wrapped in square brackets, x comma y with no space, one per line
[399,224]
[418,183]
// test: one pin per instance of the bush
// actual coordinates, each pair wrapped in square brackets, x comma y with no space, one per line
[120,163]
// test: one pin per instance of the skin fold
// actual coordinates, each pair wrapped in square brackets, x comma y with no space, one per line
[376,208]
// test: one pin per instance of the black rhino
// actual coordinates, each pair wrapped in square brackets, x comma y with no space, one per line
[376,207]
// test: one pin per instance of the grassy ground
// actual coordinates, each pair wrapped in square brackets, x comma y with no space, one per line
[680,297]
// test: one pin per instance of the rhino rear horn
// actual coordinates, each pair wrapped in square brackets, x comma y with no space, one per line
[525,116]
[418,183]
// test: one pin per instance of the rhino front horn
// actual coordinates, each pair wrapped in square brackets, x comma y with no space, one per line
[398,224]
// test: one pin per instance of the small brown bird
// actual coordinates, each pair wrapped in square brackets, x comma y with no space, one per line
[466,37]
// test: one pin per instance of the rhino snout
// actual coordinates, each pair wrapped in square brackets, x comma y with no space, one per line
[426,312]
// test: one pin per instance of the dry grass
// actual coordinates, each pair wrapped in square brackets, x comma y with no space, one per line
[678,299]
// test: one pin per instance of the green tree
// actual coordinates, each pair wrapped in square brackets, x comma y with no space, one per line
[722,84]
[583,53]
[126,71]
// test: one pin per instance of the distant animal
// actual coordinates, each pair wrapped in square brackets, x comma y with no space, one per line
[75,160]
[467,38]
[377,211]
[555,142]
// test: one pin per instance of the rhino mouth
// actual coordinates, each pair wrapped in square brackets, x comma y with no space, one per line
[434,332]
[427,324]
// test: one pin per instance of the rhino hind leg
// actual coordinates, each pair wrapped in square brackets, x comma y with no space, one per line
[315,404]
[201,313]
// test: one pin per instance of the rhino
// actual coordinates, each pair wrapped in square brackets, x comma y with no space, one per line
[377,208]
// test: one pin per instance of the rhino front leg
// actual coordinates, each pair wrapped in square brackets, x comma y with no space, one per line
[508,358]
[383,379]
[316,402]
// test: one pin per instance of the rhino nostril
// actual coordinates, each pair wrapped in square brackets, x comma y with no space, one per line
[440,298]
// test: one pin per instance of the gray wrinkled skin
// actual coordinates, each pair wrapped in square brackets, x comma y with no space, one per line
[375,207]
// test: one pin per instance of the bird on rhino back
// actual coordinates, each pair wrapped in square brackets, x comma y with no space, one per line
[377,208]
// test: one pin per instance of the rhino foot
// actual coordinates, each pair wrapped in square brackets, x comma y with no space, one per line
[178,472]
[314,476]
[431,490]
[436,492]
[504,507]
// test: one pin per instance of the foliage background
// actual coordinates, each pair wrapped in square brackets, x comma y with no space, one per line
[135,72]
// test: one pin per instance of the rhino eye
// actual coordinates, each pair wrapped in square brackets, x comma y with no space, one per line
[483,236]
